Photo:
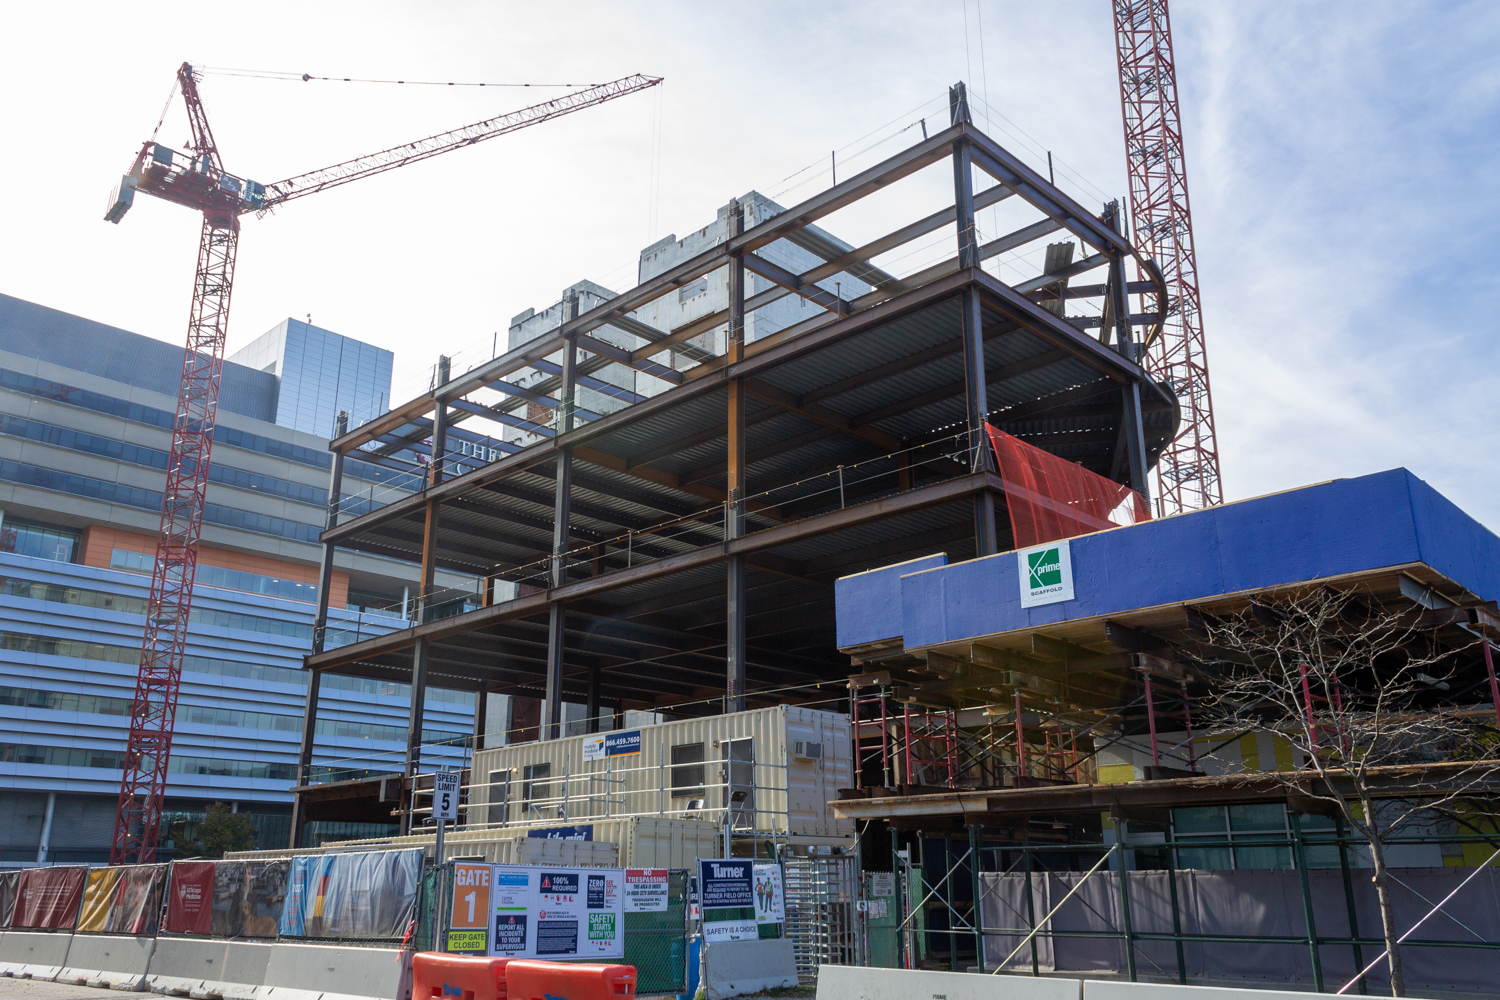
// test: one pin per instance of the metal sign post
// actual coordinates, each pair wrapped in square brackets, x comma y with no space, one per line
[444,808]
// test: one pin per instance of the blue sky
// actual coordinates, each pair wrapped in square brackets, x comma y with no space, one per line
[1341,156]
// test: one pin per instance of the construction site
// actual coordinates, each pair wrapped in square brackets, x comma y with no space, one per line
[914,582]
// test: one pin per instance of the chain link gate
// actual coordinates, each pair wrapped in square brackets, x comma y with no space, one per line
[822,902]
[656,943]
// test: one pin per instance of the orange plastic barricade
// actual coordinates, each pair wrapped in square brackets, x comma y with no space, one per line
[566,981]
[458,977]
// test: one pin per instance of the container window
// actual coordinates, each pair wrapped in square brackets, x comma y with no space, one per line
[687,771]
[536,790]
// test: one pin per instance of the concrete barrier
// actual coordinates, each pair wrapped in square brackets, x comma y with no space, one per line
[181,965]
[335,972]
[1094,989]
[34,954]
[847,982]
[735,968]
[112,961]
[241,973]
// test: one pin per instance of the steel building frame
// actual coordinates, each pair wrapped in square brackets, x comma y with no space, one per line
[681,549]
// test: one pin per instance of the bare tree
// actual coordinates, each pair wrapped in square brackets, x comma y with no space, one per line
[1364,694]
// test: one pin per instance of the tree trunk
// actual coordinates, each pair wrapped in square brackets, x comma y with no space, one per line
[1383,893]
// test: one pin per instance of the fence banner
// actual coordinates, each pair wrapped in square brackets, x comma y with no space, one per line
[228,915]
[557,913]
[48,898]
[98,895]
[265,894]
[190,898]
[9,882]
[137,900]
[365,896]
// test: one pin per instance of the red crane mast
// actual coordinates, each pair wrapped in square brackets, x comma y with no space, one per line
[1188,470]
[197,179]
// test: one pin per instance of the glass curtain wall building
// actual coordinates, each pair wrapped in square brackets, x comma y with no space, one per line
[86,413]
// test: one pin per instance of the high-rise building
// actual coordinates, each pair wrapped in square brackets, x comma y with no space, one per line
[318,373]
[86,412]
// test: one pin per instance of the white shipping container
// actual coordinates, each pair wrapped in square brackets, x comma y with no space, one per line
[640,842]
[768,772]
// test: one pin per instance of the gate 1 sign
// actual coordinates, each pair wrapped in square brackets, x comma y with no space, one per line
[557,913]
[469,926]
[727,890]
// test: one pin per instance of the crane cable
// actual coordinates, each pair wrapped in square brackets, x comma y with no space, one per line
[308,77]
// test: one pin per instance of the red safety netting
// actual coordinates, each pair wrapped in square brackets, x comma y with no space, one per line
[1051,498]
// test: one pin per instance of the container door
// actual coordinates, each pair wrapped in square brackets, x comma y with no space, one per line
[739,783]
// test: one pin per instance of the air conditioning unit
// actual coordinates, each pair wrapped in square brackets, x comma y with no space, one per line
[807,750]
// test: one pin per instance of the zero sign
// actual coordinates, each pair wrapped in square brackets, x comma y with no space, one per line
[445,795]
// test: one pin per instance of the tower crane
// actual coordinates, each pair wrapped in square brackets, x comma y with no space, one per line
[196,178]
[1188,471]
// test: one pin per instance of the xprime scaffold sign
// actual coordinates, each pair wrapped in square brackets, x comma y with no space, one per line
[1046,574]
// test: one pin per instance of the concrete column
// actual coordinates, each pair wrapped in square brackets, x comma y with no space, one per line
[44,843]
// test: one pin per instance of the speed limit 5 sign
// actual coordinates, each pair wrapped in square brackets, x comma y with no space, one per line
[445,795]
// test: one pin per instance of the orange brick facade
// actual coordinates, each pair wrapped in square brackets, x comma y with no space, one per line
[100,540]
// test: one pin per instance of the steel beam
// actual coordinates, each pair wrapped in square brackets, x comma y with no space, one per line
[948,491]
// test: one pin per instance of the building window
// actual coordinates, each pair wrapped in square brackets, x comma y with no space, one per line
[39,541]
[218,576]
[535,790]
[692,290]
[1244,838]
[687,771]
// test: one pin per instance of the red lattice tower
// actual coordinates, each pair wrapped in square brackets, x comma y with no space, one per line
[1188,470]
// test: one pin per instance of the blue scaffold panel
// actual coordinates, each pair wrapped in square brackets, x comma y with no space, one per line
[868,605]
[1388,519]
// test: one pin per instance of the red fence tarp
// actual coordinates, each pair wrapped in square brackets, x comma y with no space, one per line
[48,898]
[1051,498]
[190,898]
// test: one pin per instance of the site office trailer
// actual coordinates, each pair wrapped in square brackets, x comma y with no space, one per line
[768,773]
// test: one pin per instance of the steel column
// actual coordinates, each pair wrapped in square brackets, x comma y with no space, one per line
[975,920]
[304,755]
[734,511]
[592,698]
[1359,957]
[320,630]
[556,621]
[1307,905]
[1122,833]
[1117,305]
[414,728]
[481,719]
